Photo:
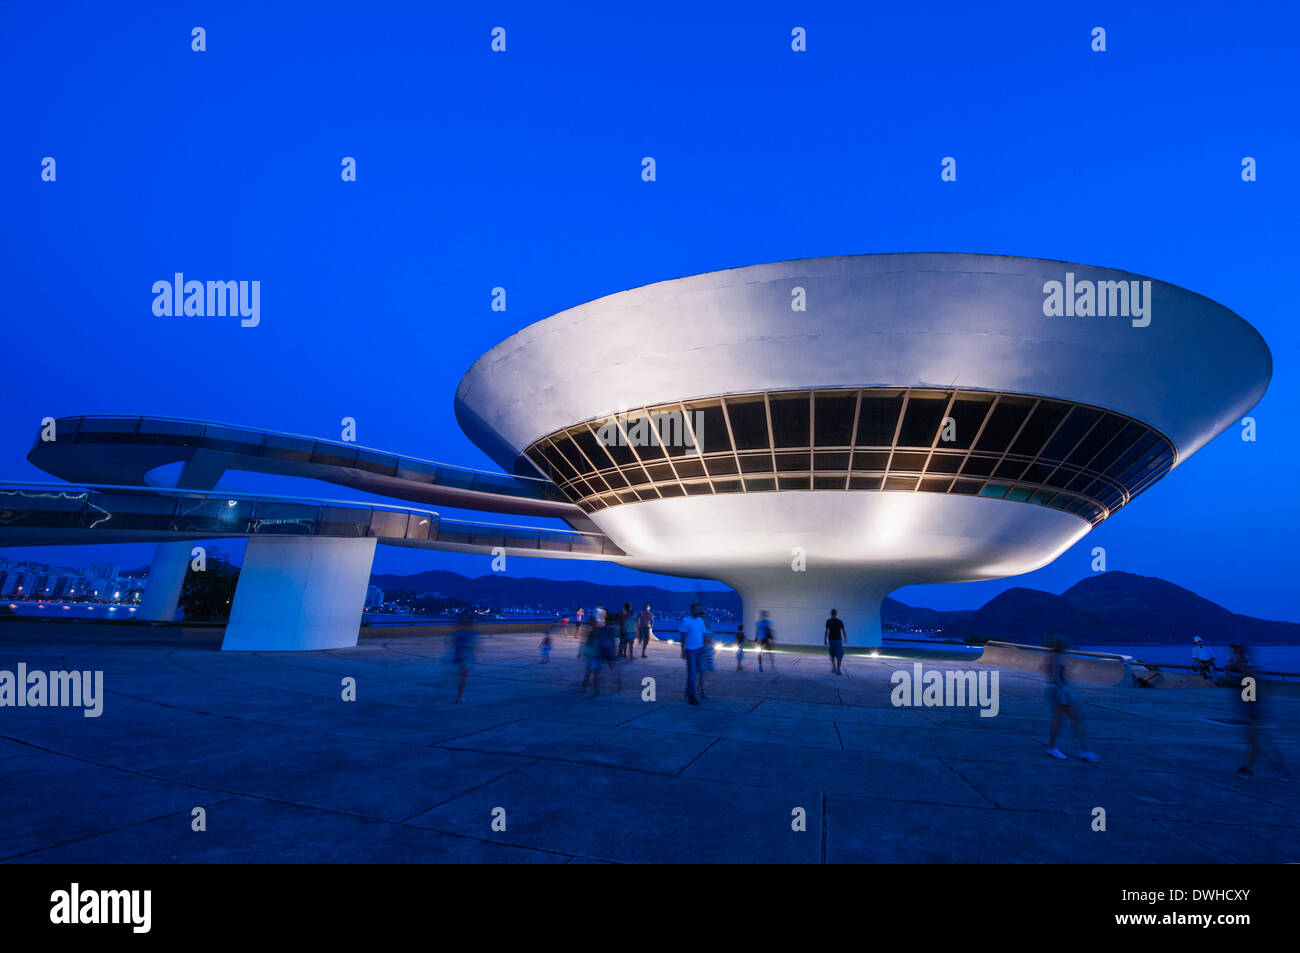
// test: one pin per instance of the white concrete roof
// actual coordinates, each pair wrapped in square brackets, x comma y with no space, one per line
[932,319]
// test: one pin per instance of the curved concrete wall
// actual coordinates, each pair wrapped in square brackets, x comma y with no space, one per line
[1081,668]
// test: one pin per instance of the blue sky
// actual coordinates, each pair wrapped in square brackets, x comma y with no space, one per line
[522,169]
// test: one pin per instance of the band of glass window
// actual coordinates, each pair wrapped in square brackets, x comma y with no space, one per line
[1072,457]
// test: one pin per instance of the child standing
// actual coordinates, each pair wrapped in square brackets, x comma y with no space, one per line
[546,647]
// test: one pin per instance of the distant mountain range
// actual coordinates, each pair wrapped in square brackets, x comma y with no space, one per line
[1116,608]
[1119,608]
[502,590]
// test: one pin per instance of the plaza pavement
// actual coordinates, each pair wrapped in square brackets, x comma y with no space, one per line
[288,771]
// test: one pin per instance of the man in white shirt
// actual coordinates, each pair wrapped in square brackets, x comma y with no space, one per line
[693,629]
[1203,658]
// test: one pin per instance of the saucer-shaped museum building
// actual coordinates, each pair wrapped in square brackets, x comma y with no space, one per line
[814,433]
[817,433]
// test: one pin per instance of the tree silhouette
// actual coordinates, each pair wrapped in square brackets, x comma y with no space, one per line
[207,595]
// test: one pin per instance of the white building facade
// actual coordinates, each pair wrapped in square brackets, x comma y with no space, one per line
[818,433]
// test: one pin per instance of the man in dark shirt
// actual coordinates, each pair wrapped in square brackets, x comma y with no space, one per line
[834,639]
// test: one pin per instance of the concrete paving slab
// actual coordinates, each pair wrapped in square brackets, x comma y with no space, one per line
[744,726]
[660,752]
[873,831]
[373,779]
[50,799]
[792,767]
[1073,787]
[249,830]
[628,817]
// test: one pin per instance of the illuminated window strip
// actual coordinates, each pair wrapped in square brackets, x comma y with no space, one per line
[590,489]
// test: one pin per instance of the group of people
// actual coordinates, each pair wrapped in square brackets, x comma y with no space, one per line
[625,630]
[698,650]
[698,646]
[608,637]
[604,638]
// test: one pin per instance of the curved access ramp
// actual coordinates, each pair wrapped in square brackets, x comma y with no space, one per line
[121,451]
[41,514]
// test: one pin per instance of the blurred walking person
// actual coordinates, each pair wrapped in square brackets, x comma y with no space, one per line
[763,638]
[1248,688]
[628,641]
[706,659]
[464,646]
[740,646]
[590,655]
[629,631]
[1062,702]
[606,634]
[645,621]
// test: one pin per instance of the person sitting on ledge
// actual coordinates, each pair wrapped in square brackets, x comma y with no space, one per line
[1203,659]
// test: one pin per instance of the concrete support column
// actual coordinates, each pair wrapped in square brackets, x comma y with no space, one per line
[798,603]
[172,560]
[166,579]
[298,593]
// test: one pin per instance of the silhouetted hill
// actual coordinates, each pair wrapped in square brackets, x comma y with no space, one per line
[904,616]
[501,590]
[1029,615]
[1119,608]
[1158,611]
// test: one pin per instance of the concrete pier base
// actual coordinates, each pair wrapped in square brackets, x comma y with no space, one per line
[166,579]
[172,560]
[299,593]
